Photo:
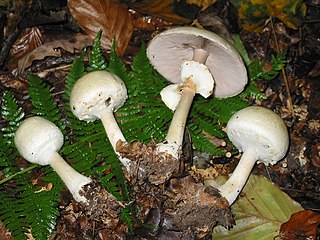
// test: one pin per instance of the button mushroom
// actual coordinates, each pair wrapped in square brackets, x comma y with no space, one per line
[262,136]
[38,141]
[97,95]
[194,60]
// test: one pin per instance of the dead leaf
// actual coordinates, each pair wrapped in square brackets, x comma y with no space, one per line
[112,17]
[302,225]
[148,22]
[29,39]
[160,8]
[204,4]
[78,42]
[291,12]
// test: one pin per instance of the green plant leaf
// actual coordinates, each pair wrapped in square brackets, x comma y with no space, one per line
[259,212]
[13,114]
[42,100]
[97,60]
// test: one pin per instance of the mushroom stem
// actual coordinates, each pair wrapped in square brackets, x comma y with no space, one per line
[111,126]
[114,134]
[200,55]
[72,179]
[175,134]
[233,186]
[178,122]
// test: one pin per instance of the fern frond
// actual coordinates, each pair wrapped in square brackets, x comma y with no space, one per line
[12,113]
[266,71]
[97,60]
[219,109]
[144,116]
[117,67]
[76,71]
[42,100]
[21,210]
[7,156]
[39,210]
[204,145]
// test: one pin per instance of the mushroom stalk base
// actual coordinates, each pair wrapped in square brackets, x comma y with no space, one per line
[233,186]
[175,133]
[72,179]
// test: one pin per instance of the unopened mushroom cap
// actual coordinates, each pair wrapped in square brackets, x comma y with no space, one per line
[96,91]
[169,49]
[37,139]
[261,130]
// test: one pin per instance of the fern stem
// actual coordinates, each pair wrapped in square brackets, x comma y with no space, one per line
[18,173]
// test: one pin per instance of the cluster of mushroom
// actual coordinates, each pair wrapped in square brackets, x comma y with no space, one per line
[194,61]
[198,61]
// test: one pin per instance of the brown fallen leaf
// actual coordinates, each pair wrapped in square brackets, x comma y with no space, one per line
[301,226]
[29,39]
[160,8]
[53,49]
[112,17]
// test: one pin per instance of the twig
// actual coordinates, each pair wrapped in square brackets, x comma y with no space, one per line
[284,74]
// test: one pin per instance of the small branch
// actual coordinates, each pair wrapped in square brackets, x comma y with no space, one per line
[284,74]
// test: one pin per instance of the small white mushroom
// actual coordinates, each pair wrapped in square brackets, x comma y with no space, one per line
[38,141]
[196,60]
[262,136]
[97,95]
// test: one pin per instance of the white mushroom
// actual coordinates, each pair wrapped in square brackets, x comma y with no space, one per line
[262,136]
[38,141]
[196,60]
[97,95]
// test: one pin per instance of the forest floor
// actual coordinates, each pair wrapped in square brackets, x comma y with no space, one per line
[294,94]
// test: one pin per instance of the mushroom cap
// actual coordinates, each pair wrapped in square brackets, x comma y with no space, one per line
[171,96]
[37,139]
[97,91]
[169,49]
[261,130]
[200,75]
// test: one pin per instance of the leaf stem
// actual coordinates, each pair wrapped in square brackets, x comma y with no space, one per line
[33,166]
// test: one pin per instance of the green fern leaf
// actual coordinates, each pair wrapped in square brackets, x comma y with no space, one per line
[76,72]
[12,113]
[144,116]
[97,60]
[263,71]
[42,101]
[117,67]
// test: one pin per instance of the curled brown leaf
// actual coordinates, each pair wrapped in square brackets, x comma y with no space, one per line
[110,16]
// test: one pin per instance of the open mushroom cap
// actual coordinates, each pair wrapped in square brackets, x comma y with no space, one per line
[96,91]
[261,130]
[37,139]
[171,48]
